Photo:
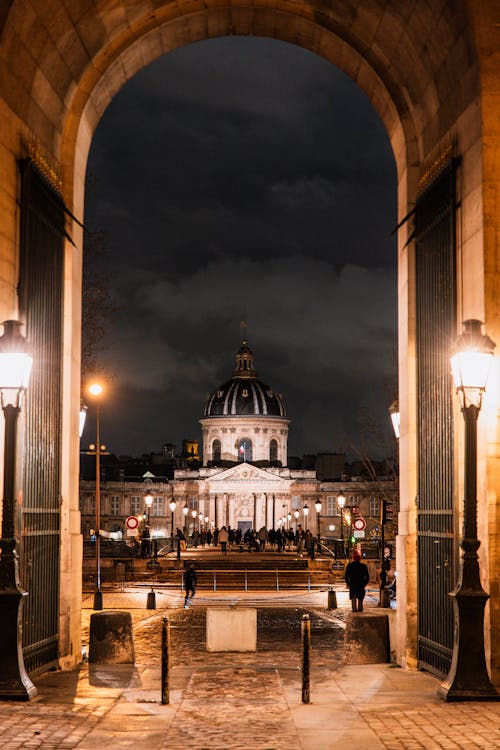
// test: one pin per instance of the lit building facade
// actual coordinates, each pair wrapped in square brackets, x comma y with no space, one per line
[244,482]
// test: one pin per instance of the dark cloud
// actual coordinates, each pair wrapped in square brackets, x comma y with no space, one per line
[246,179]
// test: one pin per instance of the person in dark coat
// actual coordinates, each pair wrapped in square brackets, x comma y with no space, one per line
[189,584]
[356,577]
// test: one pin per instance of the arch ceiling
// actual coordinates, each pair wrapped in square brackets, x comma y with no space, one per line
[62,62]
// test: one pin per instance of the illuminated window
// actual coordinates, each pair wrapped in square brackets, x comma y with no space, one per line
[115,505]
[135,505]
[158,506]
[374,506]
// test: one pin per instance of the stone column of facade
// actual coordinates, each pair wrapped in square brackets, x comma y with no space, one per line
[230,503]
[269,510]
[219,514]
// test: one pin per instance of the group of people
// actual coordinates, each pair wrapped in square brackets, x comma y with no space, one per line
[280,539]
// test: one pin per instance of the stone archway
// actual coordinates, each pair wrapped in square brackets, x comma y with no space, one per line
[429,71]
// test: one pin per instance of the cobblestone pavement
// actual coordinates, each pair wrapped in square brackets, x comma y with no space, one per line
[204,722]
[220,701]
[444,726]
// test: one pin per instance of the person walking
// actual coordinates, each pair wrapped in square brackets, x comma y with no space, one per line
[223,539]
[356,577]
[189,584]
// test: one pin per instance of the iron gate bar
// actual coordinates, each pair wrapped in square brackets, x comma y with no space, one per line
[41,300]
[435,259]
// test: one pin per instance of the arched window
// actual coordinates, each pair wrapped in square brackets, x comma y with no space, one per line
[245,450]
[216,451]
[273,450]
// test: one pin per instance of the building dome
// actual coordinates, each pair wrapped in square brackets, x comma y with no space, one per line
[245,394]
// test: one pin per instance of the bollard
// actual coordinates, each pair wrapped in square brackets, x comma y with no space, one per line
[385,599]
[332,599]
[151,600]
[165,656]
[306,658]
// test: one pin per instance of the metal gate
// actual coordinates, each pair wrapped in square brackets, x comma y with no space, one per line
[41,299]
[436,330]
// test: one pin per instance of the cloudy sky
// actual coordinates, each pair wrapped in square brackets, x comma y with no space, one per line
[246,179]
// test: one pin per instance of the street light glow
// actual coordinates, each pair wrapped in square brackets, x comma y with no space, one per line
[95,389]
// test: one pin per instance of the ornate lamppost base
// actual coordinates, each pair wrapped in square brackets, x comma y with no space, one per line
[468,679]
[15,685]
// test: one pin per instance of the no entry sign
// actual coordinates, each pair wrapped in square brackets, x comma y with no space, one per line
[359,524]
[132,522]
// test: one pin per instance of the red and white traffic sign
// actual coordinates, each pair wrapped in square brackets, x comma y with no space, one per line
[359,524]
[132,522]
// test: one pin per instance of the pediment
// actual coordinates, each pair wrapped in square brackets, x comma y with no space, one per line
[245,472]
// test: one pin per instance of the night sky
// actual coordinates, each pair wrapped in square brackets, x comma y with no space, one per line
[246,179]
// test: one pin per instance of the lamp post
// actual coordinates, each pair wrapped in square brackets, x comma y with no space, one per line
[172,505]
[341,504]
[148,500]
[15,369]
[95,390]
[468,677]
[318,506]
[296,514]
[305,511]
[185,511]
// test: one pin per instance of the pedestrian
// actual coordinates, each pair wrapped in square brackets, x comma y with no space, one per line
[309,543]
[189,585]
[356,577]
[300,536]
[263,535]
[223,539]
[182,539]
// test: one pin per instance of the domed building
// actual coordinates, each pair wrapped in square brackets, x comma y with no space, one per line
[244,481]
[245,419]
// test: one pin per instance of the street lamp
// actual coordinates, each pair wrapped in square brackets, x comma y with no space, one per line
[148,499]
[185,511]
[81,419]
[395,418]
[341,504]
[95,390]
[318,507]
[15,369]
[296,514]
[468,677]
[172,505]
[305,511]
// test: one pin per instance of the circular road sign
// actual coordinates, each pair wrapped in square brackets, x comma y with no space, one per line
[132,522]
[359,524]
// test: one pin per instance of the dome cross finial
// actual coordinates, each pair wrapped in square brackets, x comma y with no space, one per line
[243,326]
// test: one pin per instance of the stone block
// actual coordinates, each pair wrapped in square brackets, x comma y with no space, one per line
[231,629]
[366,638]
[111,638]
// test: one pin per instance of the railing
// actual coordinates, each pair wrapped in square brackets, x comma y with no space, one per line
[229,579]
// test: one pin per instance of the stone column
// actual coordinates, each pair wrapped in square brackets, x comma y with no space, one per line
[269,510]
